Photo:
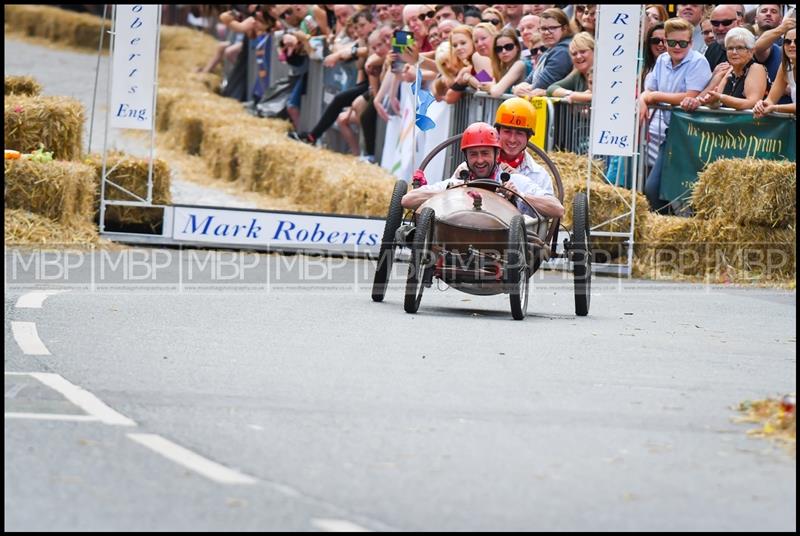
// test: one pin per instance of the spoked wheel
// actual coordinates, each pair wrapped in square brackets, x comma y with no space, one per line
[516,273]
[581,253]
[421,258]
[386,257]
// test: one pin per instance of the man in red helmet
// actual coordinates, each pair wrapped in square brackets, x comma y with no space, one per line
[480,144]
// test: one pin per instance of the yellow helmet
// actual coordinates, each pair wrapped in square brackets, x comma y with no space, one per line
[516,113]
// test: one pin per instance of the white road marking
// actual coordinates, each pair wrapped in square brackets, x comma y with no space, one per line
[337,525]
[27,338]
[83,399]
[50,417]
[190,460]
[34,300]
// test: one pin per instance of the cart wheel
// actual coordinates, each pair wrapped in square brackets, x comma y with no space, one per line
[386,256]
[516,273]
[581,253]
[421,257]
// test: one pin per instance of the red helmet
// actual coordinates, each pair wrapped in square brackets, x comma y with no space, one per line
[480,135]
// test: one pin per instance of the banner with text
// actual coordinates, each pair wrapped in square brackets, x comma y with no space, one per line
[132,86]
[319,232]
[614,80]
[695,140]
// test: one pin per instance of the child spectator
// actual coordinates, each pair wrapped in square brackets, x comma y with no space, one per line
[679,74]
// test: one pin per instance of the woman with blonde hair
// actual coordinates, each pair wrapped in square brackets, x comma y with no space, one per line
[483,35]
[576,87]
[507,67]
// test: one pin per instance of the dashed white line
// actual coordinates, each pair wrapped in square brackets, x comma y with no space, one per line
[28,339]
[34,300]
[83,399]
[337,525]
[190,460]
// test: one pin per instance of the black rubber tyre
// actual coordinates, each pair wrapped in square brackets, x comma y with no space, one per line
[581,253]
[421,257]
[386,256]
[517,265]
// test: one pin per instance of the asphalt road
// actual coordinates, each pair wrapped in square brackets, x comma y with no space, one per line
[334,412]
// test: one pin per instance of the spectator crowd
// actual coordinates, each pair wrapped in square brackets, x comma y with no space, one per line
[740,57]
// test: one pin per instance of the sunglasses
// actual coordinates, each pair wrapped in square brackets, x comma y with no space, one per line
[428,15]
[789,42]
[726,22]
[538,50]
[491,21]
[681,43]
[508,47]
[656,41]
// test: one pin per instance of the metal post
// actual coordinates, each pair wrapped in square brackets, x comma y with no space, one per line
[155,100]
[97,76]
[108,120]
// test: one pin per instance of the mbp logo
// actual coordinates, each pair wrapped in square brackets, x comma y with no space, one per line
[51,267]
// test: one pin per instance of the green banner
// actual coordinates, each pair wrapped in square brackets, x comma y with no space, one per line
[696,139]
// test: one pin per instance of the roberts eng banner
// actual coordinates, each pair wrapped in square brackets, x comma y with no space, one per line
[695,140]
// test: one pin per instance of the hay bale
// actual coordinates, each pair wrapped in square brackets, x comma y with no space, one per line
[55,122]
[56,25]
[22,85]
[23,228]
[191,118]
[131,173]
[61,191]
[747,192]
[716,250]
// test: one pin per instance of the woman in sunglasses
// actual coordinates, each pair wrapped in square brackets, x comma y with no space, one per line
[654,45]
[507,67]
[555,63]
[745,82]
[679,74]
[576,86]
[787,78]
[493,17]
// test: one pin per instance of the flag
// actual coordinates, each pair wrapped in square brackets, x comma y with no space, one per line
[423,100]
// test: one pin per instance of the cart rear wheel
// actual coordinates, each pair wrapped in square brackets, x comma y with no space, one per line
[581,253]
[386,256]
[516,272]
[421,258]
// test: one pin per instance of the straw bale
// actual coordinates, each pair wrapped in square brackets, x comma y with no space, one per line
[56,122]
[61,191]
[716,250]
[190,118]
[22,85]
[131,173]
[221,148]
[747,192]
[23,228]
[56,25]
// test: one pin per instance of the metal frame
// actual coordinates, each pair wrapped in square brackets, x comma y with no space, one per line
[139,202]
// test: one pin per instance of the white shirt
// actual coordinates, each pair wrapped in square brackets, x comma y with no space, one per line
[524,184]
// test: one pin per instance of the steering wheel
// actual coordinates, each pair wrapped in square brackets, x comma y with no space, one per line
[509,194]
